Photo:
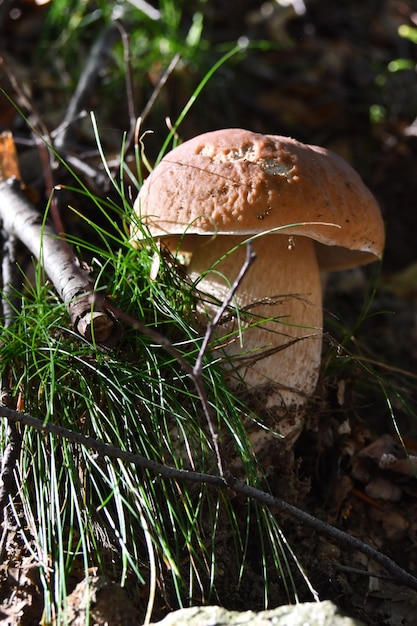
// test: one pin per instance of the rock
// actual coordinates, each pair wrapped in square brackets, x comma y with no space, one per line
[100,602]
[308,614]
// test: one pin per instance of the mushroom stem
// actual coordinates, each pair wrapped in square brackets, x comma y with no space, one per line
[283,284]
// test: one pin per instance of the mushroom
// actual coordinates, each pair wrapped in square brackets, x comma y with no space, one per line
[306,211]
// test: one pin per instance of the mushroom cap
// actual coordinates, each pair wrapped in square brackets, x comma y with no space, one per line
[235,181]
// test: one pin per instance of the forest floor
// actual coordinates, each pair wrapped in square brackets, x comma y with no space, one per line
[339,75]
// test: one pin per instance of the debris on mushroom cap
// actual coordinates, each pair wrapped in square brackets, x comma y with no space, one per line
[236,181]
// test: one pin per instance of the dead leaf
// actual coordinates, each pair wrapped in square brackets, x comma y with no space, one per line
[9,166]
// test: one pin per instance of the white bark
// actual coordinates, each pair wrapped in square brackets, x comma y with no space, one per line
[20,219]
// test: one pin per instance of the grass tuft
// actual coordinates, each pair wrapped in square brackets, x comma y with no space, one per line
[78,512]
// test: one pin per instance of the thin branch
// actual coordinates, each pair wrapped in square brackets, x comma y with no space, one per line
[13,438]
[353,543]
[198,367]
[229,482]
[195,372]
[211,327]
[11,452]
[25,97]
[98,58]
[106,450]
[9,461]
[158,88]
[361,572]
[166,344]
[11,278]
[153,334]
[129,80]
[97,179]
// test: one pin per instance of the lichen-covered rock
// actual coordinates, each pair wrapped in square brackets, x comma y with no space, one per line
[310,613]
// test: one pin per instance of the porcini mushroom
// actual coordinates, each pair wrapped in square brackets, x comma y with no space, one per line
[218,189]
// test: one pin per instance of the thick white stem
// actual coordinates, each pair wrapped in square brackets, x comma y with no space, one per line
[284,284]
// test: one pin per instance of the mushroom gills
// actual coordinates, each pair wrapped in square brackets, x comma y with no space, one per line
[284,284]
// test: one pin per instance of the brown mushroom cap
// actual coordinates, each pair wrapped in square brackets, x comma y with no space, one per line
[235,181]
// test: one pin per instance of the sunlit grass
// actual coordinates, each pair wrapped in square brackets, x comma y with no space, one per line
[79,512]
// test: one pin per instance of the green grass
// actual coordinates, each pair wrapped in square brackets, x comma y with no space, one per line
[171,542]
[77,511]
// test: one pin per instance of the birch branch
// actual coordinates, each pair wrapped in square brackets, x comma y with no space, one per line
[20,219]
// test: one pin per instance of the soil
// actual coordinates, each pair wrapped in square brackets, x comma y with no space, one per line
[331,77]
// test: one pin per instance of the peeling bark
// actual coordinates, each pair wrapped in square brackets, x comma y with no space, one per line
[21,220]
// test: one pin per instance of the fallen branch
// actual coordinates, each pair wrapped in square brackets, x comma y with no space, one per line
[13,438]
[103,449]
[11,278]
[21,220]
[107,450]
[98,58]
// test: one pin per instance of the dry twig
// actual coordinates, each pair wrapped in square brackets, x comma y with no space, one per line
[103,449]
[98,58]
